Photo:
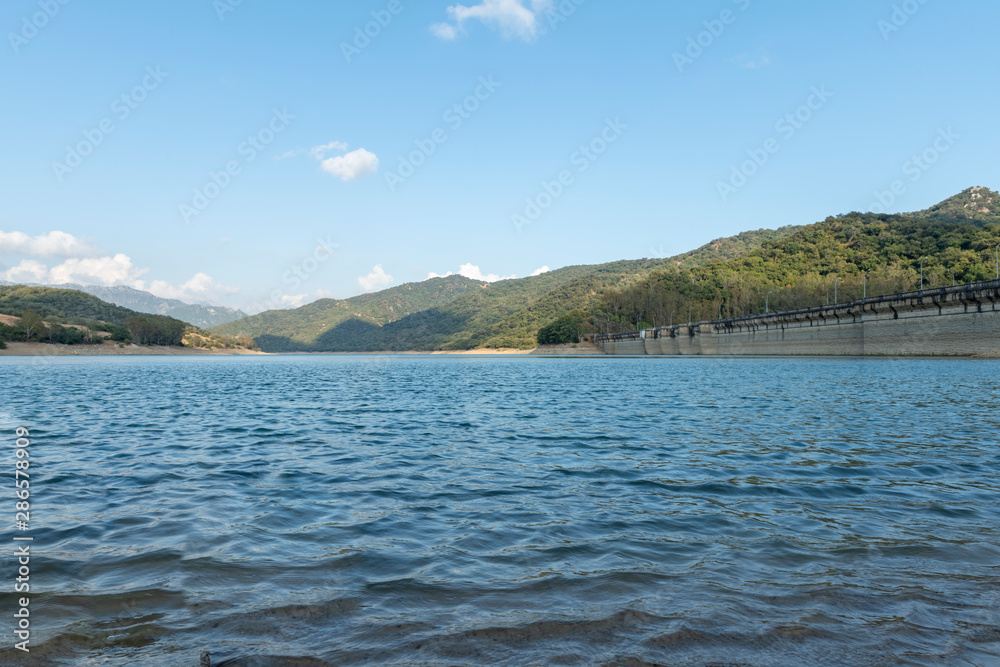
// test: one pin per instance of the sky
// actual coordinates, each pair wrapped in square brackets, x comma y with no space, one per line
[263,155]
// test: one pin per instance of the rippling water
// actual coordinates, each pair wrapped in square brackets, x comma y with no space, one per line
[465,511]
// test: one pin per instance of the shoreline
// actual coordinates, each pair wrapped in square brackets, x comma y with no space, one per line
[108,349]
[18,349]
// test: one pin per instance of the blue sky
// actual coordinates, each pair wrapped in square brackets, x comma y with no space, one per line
[262,154]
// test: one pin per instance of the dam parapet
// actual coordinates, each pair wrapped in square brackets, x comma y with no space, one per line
[960,321]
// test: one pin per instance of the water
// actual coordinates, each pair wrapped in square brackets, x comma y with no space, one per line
[466,511]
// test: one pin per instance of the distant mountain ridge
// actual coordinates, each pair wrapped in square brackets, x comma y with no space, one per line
[197,314]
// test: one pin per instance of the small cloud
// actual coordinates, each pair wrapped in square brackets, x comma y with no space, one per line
[375,280]
[292,300]
[321,151]
[351,166]
[286,301]
[53,244]
[472,272]
[511,17]
[444,31]
[538,272]
[347,167]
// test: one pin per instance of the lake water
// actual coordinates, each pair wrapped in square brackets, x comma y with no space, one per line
[472,511]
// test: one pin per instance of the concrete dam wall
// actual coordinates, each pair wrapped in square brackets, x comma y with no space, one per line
[961,321]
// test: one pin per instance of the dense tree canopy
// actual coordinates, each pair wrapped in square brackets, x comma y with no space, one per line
[842,258]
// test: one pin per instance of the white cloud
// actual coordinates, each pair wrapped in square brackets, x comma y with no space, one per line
[444,31]
[106,271]
[375,280]
[512,17]
[538,272]
[472,272]
[53,244]
[28,271]
[351,166]
[201,288]
[347,167]
[293,300]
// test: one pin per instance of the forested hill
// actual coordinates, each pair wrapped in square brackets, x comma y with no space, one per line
[49,314]
[62,304]
[457,313]
[955,241]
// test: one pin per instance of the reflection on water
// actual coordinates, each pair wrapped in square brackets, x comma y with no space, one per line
[447,511]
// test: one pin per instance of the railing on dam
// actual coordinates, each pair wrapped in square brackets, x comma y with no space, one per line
[971,290]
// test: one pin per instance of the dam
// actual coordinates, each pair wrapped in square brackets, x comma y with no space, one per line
[961,321]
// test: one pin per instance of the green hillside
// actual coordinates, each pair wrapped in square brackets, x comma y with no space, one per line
[456,313]
[819,262]
[73,317]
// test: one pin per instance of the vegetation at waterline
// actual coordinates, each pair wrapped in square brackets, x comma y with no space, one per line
[71,317]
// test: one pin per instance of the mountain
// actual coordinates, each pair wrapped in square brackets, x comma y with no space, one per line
[456,313]
[977,205]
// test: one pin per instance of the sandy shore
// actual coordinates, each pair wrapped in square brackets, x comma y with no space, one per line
[108,349]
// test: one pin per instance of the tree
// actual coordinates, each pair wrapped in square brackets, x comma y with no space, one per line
[32,324]
[564,330]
